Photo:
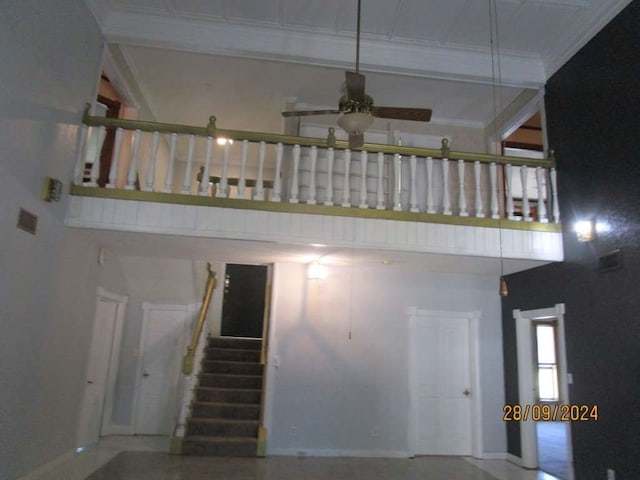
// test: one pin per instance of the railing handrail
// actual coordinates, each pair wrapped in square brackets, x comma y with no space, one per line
[189,358]
[330,142]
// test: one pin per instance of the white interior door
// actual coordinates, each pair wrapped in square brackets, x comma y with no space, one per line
[441,385]
[162,347]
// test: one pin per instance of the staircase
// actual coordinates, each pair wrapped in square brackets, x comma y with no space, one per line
[225,413]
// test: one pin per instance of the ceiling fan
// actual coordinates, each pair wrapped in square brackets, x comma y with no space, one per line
[357,108]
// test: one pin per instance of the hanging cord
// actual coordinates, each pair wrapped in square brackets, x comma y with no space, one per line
[358,41]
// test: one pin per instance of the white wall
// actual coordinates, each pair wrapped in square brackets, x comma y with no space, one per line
[333,394]
[51,54]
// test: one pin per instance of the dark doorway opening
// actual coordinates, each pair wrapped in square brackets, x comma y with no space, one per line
[244,300]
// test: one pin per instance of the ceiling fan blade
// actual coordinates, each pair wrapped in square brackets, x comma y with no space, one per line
[302,113]
[402,113]
[355,86]
[356,141]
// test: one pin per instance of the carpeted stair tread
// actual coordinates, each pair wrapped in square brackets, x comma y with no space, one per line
[224,420]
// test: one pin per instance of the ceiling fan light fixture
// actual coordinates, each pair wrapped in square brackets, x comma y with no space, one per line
[355,123]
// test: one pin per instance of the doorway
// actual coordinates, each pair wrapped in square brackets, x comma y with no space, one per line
[244,300]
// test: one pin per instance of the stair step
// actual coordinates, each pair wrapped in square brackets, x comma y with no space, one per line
[232,342]
[220,446]
[238,354]
[226,410]
[234,368]
[224,380]
[222,427]
[228,395]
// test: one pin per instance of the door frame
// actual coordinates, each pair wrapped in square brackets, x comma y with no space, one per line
[473,319]
[526,382]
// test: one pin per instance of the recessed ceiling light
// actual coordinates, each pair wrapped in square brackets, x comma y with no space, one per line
[387,261]
[319,245]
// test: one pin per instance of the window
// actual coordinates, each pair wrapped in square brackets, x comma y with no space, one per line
[546,360]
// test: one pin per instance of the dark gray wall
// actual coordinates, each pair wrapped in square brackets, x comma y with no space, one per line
[593,115]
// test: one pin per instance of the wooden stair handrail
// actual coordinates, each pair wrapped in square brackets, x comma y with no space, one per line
[189,358]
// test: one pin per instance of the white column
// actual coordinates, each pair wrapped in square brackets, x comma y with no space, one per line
[430,206]
[258,191]
[380,200]
[413,202]
[277,181]
[397,182]
[477,172]
[542,208]
[115,160]
[204,183]
[493,185]
[151,171]
[186,187]
[526,211]
[554,195]
[462,198]
[346,193]
[223,187]
[95,166]
[293,196]
[364,156]
[80,155]
[168,181]
[446,196]
[330,158]
[133,162]
[508,179]
[242,181]
[312,180]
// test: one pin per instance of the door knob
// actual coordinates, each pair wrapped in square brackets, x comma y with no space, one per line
[466,392]
[145,374]
[90,382]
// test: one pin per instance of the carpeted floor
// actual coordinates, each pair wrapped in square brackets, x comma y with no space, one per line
[552,449]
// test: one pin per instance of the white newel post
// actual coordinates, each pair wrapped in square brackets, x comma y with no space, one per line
[115,160]
[168,181]
[330,158]
[397,182]
[446,196]
[526,211]
[81,154]
[133,163]
[258,191]
[204,183]
[277,181]
[312,181]
[151,171]
[223,186]
[293,196]
[413,200]
[477,172]
[95,166]
[493,185]
[364,156]
[508,179]
[242,181]
[346,193]
[542,208]
[430,205]
[186,187]
[554,195]
[462,198]
[380,197]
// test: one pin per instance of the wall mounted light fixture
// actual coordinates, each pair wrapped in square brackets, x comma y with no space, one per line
[316,271]
[51,189]
[585,230]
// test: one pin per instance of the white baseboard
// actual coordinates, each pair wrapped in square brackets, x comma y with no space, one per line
[306,452]
[494,456]
[113,429]
[513,459]
[43,472]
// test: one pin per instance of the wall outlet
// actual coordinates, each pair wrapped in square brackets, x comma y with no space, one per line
[611,475]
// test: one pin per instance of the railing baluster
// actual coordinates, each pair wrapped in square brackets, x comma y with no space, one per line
[242,181]
[542,208]
[493,185]
[346,193]
[277,181]
[413,202]
[526,211]
[78,173]
[204,183]
[151,171]
[186,187]
[258,191]
[508,182]
[133,163]
[397,182]
[554,195]
[168,181]
[462,197]
[95,166]
[312,180]
[430,180]
[115,160]
[364,156]
[477,172]
[330,159]
[446,197]
[293,196]
[380,200]
[222,191]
